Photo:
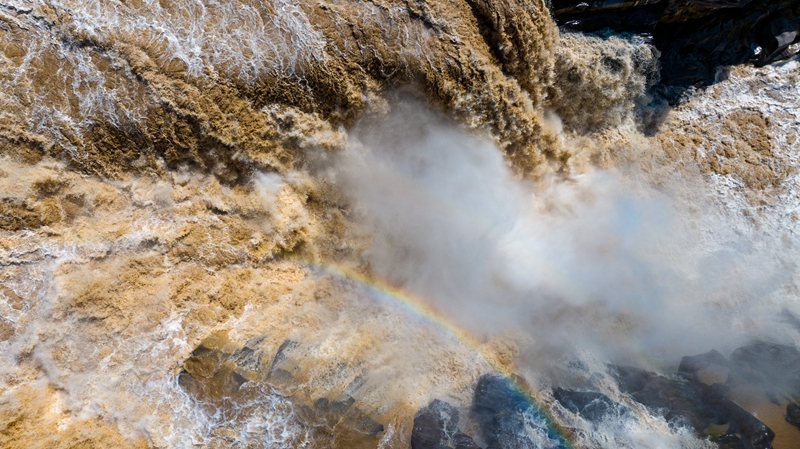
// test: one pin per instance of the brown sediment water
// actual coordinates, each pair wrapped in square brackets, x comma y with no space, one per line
[771,412]
[173,175]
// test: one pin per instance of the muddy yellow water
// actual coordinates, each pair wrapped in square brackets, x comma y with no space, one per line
[168,194]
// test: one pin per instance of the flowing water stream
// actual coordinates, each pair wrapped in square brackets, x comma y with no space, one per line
[295,223]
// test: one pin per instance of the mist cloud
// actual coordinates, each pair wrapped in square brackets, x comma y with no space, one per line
[596,261]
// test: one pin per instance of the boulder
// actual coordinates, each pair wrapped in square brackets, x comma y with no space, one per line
[463,441]
[695,43]
[503,412]
[589,405]
[685,401]
[280,370]
[793,414]
[436,426]
[771,367]
[694,363]
[709,368]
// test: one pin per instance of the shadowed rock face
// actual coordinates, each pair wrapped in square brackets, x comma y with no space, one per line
[772,367]
[437,426]
[505,415]
[736,402]
[695,37]
[589,405]
[793,415]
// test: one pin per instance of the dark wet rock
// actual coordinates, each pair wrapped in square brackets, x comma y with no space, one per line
[436,426]
[355,384]
[749,428]
[367,425]
[247,357]
[227,379]
[589,405]
[685,401]
[210,373]
[446,414]
[331,413]
[498,407]
[693,364]
[334,409]
[793,414]
[503,412]
[695,37]
[709,368]
[463,441]
[622,15]
[772,367]
[341,406]
[349,425]
[354,428]
[427,433]
[281,354]
[280,371]
[222,384]
[730,441]
[694,46]
[204,362]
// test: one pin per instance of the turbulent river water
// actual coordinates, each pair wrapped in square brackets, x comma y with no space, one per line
[294,223]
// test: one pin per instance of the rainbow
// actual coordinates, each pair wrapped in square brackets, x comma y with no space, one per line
[421,308]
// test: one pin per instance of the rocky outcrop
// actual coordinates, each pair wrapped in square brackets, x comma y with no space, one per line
[503,413]
[595,15]
[709,394]
[227,380]
[771,367]
[793,414]
[437,426]
[695,37]
[700,406]
[589,405]
[506,417]
[735,401]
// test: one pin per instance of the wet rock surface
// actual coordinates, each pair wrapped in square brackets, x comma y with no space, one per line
[696,38]
[589,405]
[504,415]
[228,381]
[703,395]
[685,401]
[793,415]
[772,367]
[436,426]
[730,400]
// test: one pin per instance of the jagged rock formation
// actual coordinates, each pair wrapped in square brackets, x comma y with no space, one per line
[697,405]
[230,381]
[504,415]
[695,38]
[589,405]
[709,395]
[437,426]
